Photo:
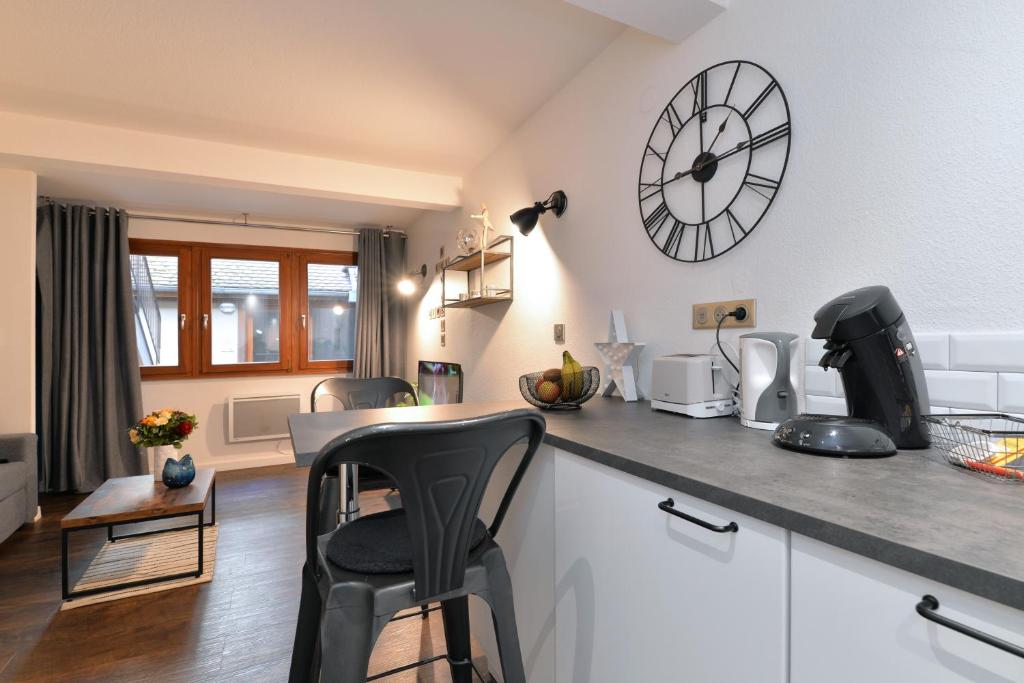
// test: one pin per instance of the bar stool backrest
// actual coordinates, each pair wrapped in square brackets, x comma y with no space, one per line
[441,470]
[357,394]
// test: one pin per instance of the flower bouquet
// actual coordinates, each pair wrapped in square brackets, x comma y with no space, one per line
[163,430]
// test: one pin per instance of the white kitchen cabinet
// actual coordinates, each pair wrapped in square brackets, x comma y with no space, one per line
[645,596]
[854,620]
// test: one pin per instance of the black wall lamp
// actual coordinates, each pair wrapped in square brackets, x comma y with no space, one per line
[526,219]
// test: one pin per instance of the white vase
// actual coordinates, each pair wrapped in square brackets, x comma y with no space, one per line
[160,456]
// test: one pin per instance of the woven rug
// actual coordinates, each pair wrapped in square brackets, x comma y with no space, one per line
[132,559]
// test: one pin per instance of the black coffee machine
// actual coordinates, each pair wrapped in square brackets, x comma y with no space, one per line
[870,343]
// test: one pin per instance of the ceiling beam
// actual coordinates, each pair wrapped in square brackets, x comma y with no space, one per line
[672,20]
[31,140]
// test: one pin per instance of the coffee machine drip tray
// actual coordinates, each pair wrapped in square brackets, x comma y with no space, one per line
[843,437]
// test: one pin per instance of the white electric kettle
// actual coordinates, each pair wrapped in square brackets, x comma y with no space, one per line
[771,378]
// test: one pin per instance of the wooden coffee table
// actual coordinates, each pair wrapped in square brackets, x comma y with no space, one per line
[128,500]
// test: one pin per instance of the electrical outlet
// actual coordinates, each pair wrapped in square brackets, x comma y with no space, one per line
[559,333]
[706,316]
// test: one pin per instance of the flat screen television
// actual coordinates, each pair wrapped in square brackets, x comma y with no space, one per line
[439,383]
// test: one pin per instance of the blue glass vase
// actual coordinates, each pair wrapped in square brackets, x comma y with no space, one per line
[179,473]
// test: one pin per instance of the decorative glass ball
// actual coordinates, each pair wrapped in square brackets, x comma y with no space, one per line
[468,240]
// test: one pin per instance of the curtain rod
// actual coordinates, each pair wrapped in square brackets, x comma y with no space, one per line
[245,224]
[266,226]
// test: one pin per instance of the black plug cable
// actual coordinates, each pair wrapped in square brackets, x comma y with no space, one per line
[739,313]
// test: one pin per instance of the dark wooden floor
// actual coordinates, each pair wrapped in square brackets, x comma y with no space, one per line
[238,627]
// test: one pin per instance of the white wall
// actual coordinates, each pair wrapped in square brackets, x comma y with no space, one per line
[905,170]
[18,284]
[207,397]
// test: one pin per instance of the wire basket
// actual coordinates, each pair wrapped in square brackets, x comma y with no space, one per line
[990,445]
[528,388]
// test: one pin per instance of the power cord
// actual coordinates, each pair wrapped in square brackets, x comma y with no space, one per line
[738,313]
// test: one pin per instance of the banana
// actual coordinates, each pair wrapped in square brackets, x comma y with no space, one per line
[572,378]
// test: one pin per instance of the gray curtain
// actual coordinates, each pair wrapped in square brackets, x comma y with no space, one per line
[88,391]
[380,315]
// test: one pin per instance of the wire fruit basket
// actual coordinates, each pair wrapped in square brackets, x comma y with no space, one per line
[528,388]
[988,444]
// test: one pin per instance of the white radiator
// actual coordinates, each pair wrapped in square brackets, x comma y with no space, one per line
[261,418]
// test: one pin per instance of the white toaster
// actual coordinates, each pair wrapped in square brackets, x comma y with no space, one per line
[691,384]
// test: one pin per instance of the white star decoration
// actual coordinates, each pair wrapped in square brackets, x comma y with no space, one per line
[620,358]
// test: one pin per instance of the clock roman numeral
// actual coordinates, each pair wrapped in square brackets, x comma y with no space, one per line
[733,224]
[766,187]
[656,219]
[651,190]
[675,122]
[651,150]
[675,239]
[759,100]
[700,95]
[732,82]
[703,248]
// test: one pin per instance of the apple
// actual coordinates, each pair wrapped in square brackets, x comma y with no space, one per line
[548,391]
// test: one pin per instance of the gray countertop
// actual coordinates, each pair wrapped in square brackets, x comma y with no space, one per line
[910,511]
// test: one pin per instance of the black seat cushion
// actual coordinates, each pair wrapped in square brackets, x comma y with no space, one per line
[381,544]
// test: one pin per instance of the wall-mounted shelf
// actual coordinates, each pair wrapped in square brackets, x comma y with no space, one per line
[472,261]
[477,301]
[481,267]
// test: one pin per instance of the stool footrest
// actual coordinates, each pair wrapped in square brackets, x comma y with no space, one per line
[421,613]
[389,672]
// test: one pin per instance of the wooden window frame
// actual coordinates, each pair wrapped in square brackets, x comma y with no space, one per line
[195,300]
[302,351]
[186,330]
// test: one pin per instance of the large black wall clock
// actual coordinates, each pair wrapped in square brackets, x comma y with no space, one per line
[714,161]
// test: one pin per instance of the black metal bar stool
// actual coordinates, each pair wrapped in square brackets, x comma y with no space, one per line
[339,500]
[434,549]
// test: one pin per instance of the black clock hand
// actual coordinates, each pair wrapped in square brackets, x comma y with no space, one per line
[735,150]
[721,129]
[678,176]
[715,158]
[696,167]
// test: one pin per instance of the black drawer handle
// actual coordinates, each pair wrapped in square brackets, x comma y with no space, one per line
[926,608]
[668,506]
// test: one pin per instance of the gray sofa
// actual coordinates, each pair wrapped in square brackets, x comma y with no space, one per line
[18,482]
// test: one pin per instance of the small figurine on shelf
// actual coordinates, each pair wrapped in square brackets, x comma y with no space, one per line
[485,220]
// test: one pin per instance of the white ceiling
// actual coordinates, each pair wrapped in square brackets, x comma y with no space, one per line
[432,85]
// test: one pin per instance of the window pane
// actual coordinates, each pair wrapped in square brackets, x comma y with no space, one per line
[155,292]
[331,319]
[245,311]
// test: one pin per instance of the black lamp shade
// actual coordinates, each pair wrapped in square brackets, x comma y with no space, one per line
[526,219]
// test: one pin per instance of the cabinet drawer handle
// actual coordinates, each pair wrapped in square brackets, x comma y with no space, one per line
[926,608]
[668,506]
